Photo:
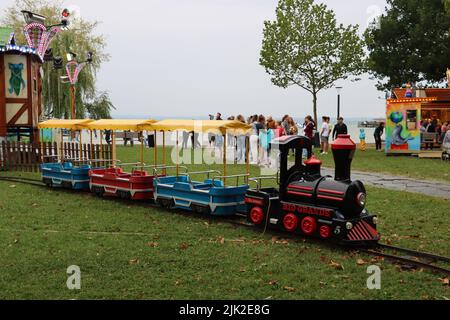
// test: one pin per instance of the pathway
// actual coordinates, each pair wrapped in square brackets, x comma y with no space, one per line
[399,183]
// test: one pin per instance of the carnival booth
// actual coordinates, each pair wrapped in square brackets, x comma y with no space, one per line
[216,195]
[67,172]
[406,113]
[125,180]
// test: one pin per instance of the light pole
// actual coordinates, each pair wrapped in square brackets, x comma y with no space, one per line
[73,69]
[339,90]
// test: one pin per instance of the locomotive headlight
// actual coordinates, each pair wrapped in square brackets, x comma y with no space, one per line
[361,199]
[349,225]
[375,220]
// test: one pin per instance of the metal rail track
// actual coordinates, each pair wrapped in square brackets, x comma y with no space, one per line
[423,259]
[413,258]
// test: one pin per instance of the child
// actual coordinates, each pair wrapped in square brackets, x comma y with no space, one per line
[362,139]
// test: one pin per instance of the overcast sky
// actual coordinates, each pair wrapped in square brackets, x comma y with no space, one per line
[178,58]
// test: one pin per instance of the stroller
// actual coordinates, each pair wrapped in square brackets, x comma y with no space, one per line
[446,147]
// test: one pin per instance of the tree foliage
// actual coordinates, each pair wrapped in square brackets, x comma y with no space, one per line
[411,44]
[80,38]
[305,46]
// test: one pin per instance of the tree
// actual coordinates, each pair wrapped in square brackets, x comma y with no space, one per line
[80,38]
[411,43]
[306,47]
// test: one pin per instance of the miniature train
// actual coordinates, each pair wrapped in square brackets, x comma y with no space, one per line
[306,203]
[310,204]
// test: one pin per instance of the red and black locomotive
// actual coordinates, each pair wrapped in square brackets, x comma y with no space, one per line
[310,204]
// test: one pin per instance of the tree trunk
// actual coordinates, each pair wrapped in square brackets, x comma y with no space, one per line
[315,108]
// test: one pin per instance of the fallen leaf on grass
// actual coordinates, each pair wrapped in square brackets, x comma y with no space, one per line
[12,186]
[444,281]
[152,244]
[184,246]
[273,282]
[290,289]
[279,240]
[360,262]
[336,265]
[16,241]
[221,240]
[133,261]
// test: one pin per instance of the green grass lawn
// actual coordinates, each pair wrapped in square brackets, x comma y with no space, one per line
[135,251]
[376,161]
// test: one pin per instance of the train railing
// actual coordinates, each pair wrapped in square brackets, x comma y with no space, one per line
[224,179]
[164,169]
[259,180]
[206,172]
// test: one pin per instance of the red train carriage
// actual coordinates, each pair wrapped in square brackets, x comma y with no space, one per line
[310,204]
[135,185]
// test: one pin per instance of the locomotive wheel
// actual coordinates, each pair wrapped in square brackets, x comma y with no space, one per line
[256,216]
[308,225]
[290,222]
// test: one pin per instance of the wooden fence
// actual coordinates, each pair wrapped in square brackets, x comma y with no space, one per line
[18,156]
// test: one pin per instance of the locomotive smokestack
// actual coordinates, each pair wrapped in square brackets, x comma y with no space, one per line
[343,151]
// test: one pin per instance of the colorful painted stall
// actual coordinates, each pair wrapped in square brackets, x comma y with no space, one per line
[404,115]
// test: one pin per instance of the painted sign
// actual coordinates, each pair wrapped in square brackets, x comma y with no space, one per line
[403,127]
[16,76]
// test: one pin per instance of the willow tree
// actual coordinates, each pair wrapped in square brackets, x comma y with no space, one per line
[305,46]
[79,38]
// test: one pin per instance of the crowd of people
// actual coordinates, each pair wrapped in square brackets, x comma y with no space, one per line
[435,126]
[265,129]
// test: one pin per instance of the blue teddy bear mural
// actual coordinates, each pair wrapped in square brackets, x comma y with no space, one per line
[16,82]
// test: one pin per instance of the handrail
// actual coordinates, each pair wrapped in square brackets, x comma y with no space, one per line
[237,176]
[207,172]
[258,180]
[155,170]
[131,164]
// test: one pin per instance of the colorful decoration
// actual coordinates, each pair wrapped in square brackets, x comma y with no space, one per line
[16,82]
[402,133]
[396,117]
[73,69]
[409,91]
[39,38]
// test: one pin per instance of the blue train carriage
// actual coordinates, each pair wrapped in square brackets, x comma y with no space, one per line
[64,172]
[215,195]
[211,196]
[66,175]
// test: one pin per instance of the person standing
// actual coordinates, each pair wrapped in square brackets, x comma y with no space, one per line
[325,135]
[308,128]
[285,124]
[254,139]
[108,136]
[240,142]
[339,128]
[377,135]
[266,135]
[362,139]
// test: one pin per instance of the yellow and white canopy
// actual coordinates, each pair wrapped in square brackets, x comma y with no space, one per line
[213,126]
[76,124]
[120,125]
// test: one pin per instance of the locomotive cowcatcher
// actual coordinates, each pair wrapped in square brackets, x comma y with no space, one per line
[313,205]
